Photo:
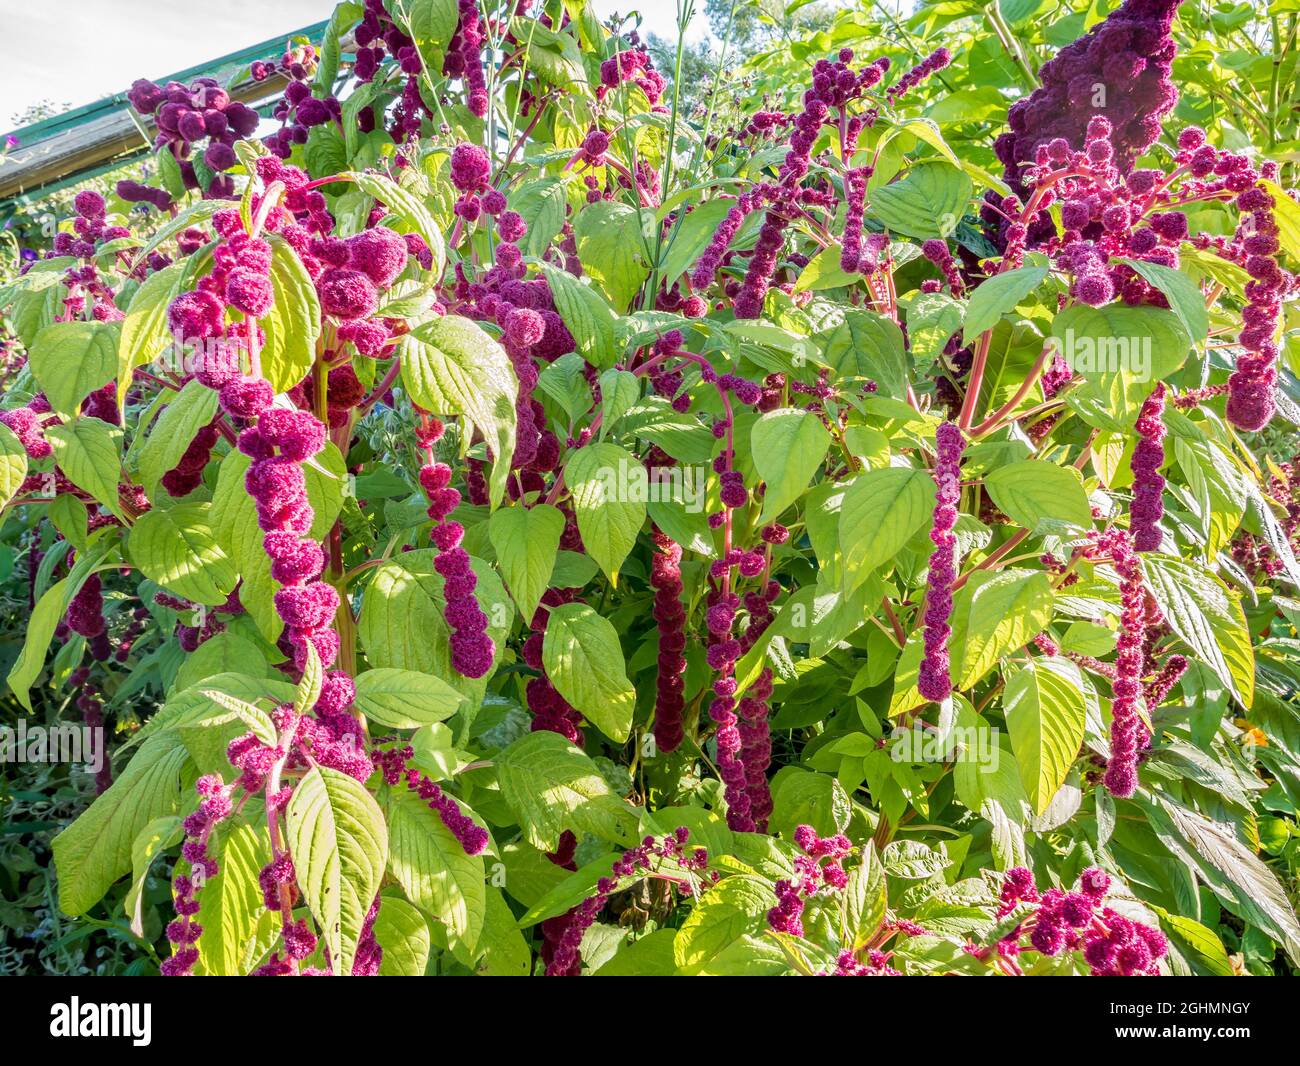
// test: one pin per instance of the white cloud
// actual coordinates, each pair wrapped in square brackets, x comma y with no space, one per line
[78,51]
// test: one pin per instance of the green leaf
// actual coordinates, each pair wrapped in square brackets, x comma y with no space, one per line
[408,208]
[154,839]
[403,934]
[584,661]
[13,465]
[309,686]
[505,951]
[932,318]
[1207,617]
[188,412]
[70,360]
[603,480]
[41,624]
[96,849]
[238,930]
[728,916]
[928,202]
[613,246]
[431,866]
[869,347]
[865,900]
[552,785]
[1184,296]
[619,391]
[450,366]
[540,203]
[882,510]
[145,334]
[228,652]
[996,613]
[692,236]
[339,844]
[586,314]
[70,517]
[293,323]
[88,451]
[405,699]
[800,797]
[1120,351]
[789,445]
[176,548]
[1232,871]
[526,541]
[997,295]
[554,56]
[565,382]
[824,272]
[1041,496]
[1046,712]
[1199,946]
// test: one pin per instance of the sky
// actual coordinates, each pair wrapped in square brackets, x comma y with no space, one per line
[73,52]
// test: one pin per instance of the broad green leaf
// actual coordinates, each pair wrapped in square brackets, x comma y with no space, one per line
[431,866]
[1041,496]
[403,934]
[238,930]
[1207,617]
[155,838]
[584,661]
[70,360]
[803,798]
[407,207]
[869,347]
[586,314]
[293,323]
[731,913]
[89,452]
[145,334]
[865,900]
[552,785]
[619,390]
[405,699]
[1231,870]
[96,849]
[928,202]
[176,548]
[995,614]
[188,412]
[540,203]
[1045,711]
[1184,295]
[882,510]
[526,540]
[932,319]
[13,465]
[614,246]
[450,366]
[339,844]
[565,382]
[609,489]
[505,951]
[692,236]
[997,295]
[788,445]
[402,625]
